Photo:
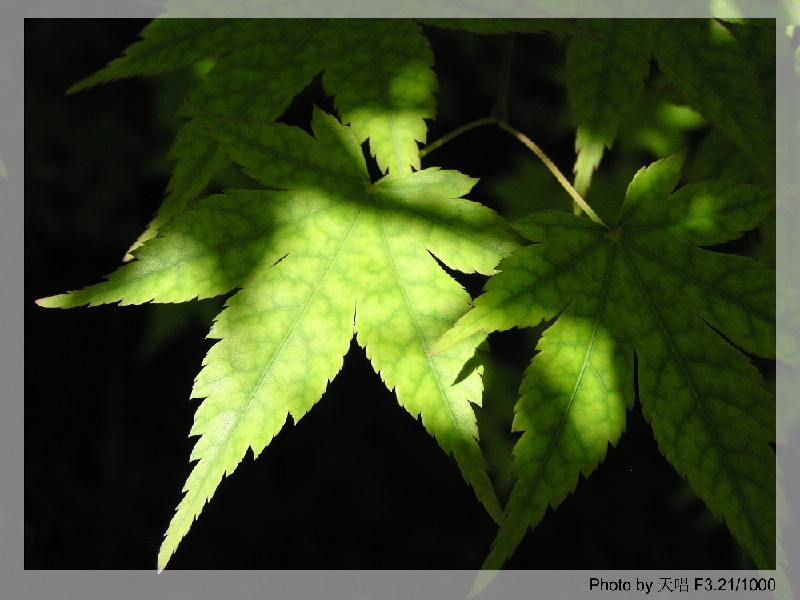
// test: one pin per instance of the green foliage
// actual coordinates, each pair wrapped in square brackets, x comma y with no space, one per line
[642,287]
[606,79]
[330,254]
[700,58]
[257,70]
[318,252]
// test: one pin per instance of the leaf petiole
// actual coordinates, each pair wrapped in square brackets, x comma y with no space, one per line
[455,133]
[499,116]
[554,170]
[579,201]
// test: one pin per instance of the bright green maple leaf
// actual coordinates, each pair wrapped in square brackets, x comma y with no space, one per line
[642,286]
[327,255]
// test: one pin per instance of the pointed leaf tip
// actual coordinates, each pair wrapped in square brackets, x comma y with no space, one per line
[442,345]
[49,301]
[465,327]
[482,581]
[68,300]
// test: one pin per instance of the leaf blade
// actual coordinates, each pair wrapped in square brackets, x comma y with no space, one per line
[709,67]
[248,395]
[709,409]
[572,404]
[383,87]
[357,247]
[605,79]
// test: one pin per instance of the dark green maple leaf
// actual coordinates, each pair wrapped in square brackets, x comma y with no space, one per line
[642,287]
[377,70]
[328,254]
[709,69]
[605,80]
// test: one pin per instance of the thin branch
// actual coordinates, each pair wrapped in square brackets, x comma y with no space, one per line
[498,112]
[499,116]
[456,132]
[554,170]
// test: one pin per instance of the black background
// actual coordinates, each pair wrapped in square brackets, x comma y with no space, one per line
[357,483]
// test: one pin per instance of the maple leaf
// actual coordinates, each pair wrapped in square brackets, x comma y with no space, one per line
[642,287]
[377,70]
[707,66]
[327,255]
[605,79]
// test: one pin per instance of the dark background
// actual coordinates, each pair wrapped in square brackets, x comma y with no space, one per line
[358,483]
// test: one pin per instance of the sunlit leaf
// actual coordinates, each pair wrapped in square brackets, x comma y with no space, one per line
[332,255]
[642,289]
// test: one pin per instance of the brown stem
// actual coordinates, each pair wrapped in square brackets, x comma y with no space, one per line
[554,170]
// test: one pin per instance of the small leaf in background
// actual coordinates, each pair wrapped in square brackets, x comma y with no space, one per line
[717,78]
[605,80]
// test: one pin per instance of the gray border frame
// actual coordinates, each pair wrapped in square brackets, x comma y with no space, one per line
[18,584]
